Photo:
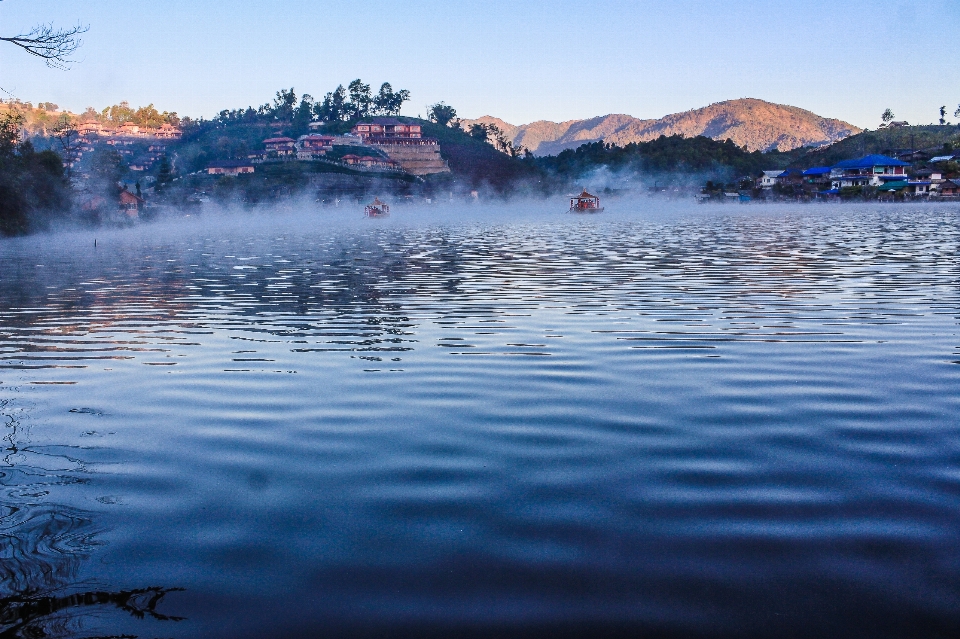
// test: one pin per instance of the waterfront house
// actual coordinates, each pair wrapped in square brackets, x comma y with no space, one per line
[870,170]
[230,167]
[928,174]
[817,175]
[769,178]
[949,189]
[907,188]
[130,204]
[789,177]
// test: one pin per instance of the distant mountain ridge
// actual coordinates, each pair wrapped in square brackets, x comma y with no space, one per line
[749,122]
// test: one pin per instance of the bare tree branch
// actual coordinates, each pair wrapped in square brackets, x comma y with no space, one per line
[55,46]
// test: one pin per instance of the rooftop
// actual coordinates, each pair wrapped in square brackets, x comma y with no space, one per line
[229,164]
[382,121]
[870,161]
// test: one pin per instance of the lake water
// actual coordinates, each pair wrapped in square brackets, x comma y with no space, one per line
[734,421]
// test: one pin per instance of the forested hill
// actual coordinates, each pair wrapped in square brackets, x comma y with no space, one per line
[754,124]
[673,154]
[934,139]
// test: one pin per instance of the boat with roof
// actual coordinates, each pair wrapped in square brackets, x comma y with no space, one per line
[377,209]
[585,203]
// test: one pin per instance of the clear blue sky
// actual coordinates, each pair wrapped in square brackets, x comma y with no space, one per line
[519,60]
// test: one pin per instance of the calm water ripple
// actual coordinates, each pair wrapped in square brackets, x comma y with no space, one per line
[728,422]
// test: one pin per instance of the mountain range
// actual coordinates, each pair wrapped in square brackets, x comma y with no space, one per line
[751,123]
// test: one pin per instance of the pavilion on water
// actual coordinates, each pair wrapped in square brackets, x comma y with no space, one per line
[585,203]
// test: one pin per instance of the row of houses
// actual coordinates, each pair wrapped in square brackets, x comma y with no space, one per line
[142,156]
[393,146]
[888,175]
[308,148]
[129,130]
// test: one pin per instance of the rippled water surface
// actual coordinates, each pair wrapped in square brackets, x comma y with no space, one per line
[739,421]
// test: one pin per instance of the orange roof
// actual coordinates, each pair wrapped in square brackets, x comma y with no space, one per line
[585,195]
[128,197]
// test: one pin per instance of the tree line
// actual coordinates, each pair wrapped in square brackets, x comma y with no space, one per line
[120,114]
[33,186]
[673,153]
[340,105]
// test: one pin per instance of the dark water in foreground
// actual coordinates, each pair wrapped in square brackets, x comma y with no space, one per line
[735,422]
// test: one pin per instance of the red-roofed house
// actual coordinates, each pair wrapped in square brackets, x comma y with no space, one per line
[310,147]
[377,128]
[169,132]
[230,167]
[129,128]
[378,163]
[281,147]
[130,204]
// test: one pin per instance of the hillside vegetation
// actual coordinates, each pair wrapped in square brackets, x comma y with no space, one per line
[931,138]
[666,155]
[33,187]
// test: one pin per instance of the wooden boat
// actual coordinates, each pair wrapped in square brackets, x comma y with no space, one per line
[585,203]
[377,209]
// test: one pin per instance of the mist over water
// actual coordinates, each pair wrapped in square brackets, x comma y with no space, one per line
[728,421]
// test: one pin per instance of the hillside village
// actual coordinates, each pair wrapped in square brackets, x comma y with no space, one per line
[888,177]
[123,162]
[374,144]
[910,175]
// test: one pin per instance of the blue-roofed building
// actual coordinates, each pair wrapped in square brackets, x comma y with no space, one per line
[790,176]
[870,170]
[817,175]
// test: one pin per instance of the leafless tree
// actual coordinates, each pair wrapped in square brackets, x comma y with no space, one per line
[67,134]
[53,45]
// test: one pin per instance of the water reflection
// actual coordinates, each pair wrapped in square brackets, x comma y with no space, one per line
[24,616]
[366,293]
[44,544]
[655,422]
